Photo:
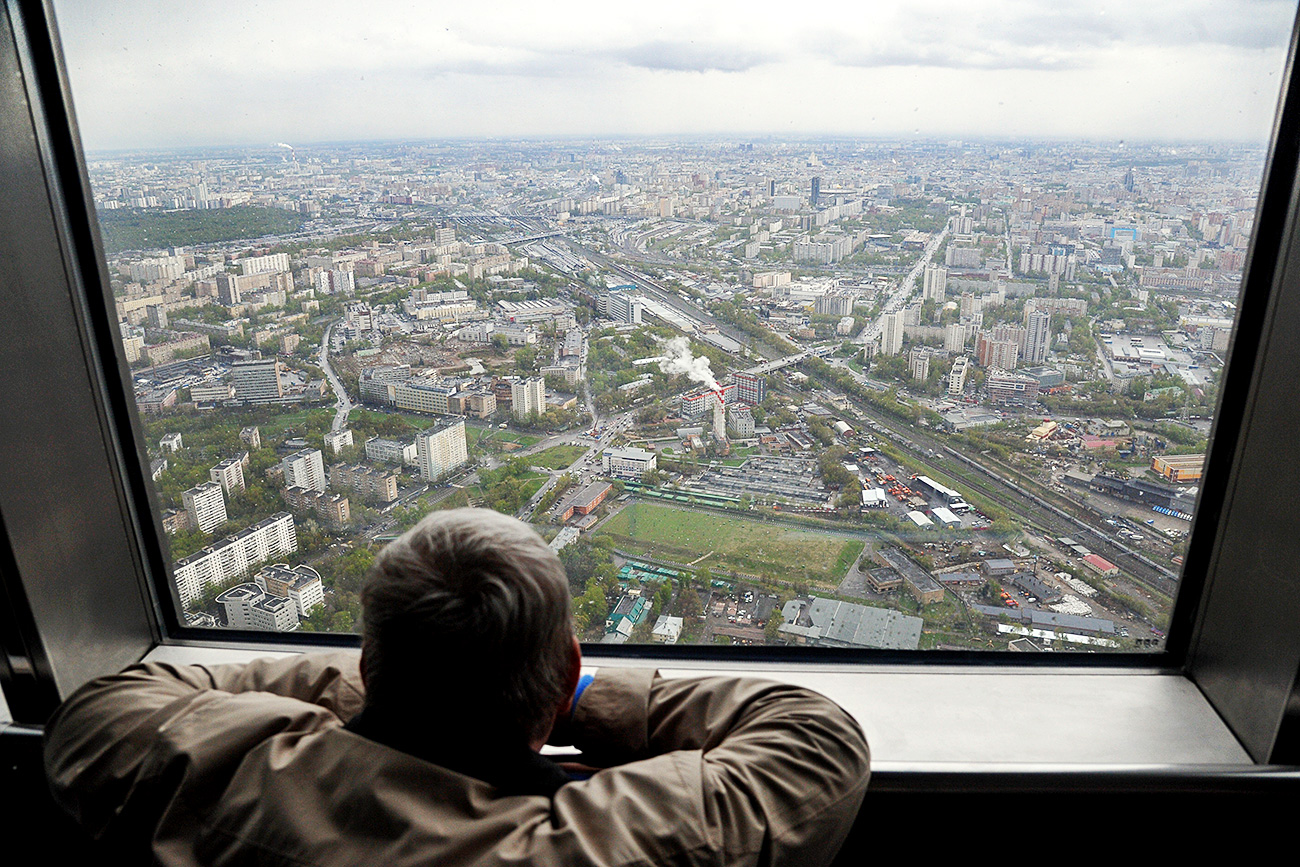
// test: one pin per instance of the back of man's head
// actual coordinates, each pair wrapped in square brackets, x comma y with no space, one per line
[468,613]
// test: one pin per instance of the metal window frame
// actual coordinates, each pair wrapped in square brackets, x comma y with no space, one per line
[87,587]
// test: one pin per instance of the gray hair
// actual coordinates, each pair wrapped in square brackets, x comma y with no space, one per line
[470,609]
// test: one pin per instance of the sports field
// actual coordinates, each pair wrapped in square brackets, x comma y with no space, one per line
[741,544]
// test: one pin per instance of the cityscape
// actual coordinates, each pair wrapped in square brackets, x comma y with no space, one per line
[843,392]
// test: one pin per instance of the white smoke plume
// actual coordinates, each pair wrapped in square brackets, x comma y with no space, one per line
[679,360]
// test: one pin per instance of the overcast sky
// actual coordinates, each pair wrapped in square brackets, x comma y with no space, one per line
[158,74]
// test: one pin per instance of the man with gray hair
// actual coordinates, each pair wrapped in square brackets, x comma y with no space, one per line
[426,749]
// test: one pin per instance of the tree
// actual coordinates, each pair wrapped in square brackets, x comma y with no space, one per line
[526,359]
[772,629]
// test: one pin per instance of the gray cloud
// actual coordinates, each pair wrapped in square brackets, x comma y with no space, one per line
[690,57]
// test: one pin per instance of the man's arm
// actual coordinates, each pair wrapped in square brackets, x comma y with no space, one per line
[771,773]
[118,749]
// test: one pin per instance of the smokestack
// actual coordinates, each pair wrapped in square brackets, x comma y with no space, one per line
[719,421]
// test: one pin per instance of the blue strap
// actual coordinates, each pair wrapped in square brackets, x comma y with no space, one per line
[583,683]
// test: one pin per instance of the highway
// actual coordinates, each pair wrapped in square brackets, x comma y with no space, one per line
[905,289]
[343,403]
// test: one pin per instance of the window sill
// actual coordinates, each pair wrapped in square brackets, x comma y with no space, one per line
[949,721]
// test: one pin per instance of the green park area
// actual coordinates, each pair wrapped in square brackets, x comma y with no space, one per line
[557,457]
[494,439]
[764,549]
[137,229]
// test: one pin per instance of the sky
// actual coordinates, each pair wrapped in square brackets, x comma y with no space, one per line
[148,74]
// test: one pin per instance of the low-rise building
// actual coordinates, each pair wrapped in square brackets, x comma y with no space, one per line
[667,629]
[585,501]
[1179,468]
[337,441]
[832,623]
[628,463]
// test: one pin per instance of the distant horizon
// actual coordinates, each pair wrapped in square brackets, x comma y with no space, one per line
[694,138]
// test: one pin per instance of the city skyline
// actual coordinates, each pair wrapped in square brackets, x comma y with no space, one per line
[1200,72]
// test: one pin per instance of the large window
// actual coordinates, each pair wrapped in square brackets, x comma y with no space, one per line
[873,329]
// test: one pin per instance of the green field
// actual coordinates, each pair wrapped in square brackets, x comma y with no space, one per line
[490,437]
[557,457]
[741,544]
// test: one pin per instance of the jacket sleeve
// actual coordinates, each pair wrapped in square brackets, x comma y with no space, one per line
[121,747]
[774,774]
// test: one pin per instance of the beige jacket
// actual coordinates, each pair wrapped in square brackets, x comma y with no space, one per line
[250,764]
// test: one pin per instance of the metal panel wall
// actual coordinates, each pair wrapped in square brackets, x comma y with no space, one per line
[76,574]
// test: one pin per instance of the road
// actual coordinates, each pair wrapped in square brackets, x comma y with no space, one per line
[581,467]
[905,289]
[343,403]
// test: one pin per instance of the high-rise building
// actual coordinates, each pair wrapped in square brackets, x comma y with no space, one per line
[816,193]
[302,584]
[156,316]
[529,396]
[248,606]
[935,284]
[1038,337]
[336,281]
[992,352]
[957,376]
[891,334]
[258,381]
[954,338]
[251,437]
[741,421]
[372,485]
[625,307]
[304,469]
[918,362]
[132,344]
[751,388]
[206,505]
[229,474]
[835,304]
[231,557]
[264,264]
[441,449]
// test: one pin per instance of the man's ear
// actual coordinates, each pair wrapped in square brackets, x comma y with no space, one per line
[575,665]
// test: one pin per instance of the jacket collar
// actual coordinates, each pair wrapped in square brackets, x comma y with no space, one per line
[511,769]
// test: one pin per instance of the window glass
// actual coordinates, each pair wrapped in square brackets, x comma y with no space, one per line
[875,325]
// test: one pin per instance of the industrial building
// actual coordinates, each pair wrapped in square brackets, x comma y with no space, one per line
[1179,468]
[919,582]
[951,498]
[832,623]
[584,502]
